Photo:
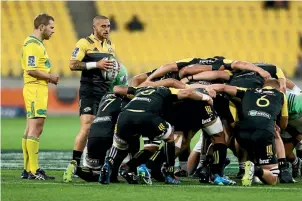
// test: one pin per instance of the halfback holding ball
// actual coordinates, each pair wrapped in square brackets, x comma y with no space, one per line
[91,57]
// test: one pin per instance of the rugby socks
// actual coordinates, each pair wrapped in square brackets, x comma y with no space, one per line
[219,154]
[138,159]
[32,145]
[97,148]
[116,156]
[154,164]
[241,165]
[294,161]
[76,155]
[282,163]
[25,154]
[169,150]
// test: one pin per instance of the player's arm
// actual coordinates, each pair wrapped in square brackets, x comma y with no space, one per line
[138,79]
[76,63]
[244,65]
[208,76]
[170,82]
[282,79]
[161,71]
[191,94]
[194,69]
[231,90]
[284,114]
[32,56]
[292,86]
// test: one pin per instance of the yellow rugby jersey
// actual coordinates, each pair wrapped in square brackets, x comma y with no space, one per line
[34,57]
[91,49]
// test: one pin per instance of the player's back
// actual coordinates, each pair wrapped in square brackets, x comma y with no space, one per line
[110,107]
[260,108]
[150,99]
[34,57]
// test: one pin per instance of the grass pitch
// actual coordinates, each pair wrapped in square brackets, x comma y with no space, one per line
[59,134]
[15,189]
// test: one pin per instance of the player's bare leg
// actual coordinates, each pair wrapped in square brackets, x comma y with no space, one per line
[81,138]
[79,145]
[268,174]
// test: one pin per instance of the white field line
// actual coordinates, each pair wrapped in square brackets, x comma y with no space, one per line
[156,185]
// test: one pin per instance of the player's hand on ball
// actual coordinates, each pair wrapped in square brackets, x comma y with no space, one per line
[54,78]
[104,64]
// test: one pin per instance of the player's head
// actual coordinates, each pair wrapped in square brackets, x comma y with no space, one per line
[44,23]
[101,27]
[272,83]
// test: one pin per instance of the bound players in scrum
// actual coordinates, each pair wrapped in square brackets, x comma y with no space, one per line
[189,116]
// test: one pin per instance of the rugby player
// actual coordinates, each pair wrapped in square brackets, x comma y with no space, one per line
[91,57]
[100,134]
[257,126]
[251,79]
[36,66]
[143,116]
[292,136]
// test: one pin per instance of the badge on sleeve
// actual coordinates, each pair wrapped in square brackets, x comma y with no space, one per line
[75,52]
[31,61]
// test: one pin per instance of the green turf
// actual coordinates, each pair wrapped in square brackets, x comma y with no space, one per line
[58,133]
[15,189]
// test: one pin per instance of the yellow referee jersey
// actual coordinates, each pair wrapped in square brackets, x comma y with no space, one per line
[34,57]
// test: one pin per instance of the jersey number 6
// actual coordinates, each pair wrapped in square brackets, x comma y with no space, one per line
[262,101]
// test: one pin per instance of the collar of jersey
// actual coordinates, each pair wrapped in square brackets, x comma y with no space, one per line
[95,38]
[268,87]
[32,36]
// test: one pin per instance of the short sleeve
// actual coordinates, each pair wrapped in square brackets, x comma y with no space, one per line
[32,54]
[240,92]
[80,50]
[284,110]
[174,91]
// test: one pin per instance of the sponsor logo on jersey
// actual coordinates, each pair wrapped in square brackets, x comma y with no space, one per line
[31,61]
[102,119]
[204,121]
[246,74]
[141,99]
[75,52]
[255,113]
[265,161]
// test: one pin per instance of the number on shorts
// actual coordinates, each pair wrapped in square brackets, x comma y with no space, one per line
[269,150]
[161,127]
[264,100]
[209,109]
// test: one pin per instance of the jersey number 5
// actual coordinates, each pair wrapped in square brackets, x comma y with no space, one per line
[262,101]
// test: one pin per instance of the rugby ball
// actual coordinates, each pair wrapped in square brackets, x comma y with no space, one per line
[111,74]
